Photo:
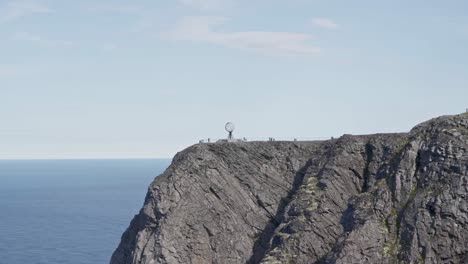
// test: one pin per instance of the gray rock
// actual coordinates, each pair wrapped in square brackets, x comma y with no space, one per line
[384,198]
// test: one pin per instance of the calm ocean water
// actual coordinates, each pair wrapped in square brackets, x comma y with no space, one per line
[69,211]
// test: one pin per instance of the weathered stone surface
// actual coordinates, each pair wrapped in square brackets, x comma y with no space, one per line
[384,198]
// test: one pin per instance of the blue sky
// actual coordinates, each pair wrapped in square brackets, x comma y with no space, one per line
[131,79]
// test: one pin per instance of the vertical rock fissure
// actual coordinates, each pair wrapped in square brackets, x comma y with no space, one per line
[412,194]
[261,246]
[402,211]
[366,173]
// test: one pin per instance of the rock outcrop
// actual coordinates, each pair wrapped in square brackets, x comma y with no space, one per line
[383,198]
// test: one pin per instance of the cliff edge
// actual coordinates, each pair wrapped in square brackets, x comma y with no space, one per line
[383,198]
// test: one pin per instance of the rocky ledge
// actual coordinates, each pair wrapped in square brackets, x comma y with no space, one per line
[383,198]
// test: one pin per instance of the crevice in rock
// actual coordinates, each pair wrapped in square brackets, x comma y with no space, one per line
[366,173]
[402,211]
[418,165]
[412,194]
[214,193]
[208,231]
[347,219]
[357,174]
[262,205]
[261,246]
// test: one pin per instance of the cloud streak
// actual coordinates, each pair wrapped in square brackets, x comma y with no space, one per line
[115,8]
[40,40]
[324,23]
[203,30]
[208,5]
[14,10]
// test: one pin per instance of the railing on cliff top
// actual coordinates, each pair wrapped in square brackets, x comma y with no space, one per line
[253,139]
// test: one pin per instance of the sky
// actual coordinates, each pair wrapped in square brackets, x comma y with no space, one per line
[146,79]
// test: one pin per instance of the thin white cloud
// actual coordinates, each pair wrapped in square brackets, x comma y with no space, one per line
[115,8]
[324,23]
[202,30]
[14,10]
[208,4]
[40,40]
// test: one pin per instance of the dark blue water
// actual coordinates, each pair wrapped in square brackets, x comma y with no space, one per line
[71,211]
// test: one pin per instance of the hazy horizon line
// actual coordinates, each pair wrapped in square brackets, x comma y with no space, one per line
[65,159]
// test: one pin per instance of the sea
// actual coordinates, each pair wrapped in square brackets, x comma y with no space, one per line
[69,211]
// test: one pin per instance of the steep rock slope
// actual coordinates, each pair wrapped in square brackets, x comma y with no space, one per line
[384,198]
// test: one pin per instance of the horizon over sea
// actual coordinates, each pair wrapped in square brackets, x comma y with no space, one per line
[69,211]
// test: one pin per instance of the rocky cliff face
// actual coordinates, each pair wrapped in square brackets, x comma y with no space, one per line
[384,198]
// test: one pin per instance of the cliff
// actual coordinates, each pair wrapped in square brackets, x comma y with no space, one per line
[383,198]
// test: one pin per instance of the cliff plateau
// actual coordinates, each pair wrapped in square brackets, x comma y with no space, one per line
[383,198]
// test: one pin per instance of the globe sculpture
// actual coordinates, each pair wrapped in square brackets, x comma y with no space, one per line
[230,128]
